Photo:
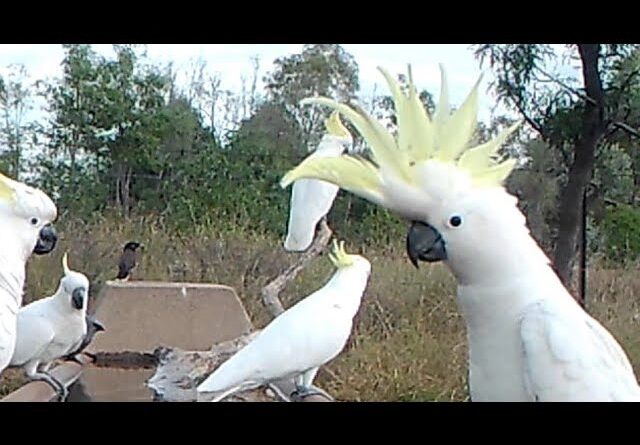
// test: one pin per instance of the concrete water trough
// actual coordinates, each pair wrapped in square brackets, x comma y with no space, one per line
[146,322]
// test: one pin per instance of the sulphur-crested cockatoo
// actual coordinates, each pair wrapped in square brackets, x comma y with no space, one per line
[528,338]
[26,215]
[52,327]
[311,199]
[301,339]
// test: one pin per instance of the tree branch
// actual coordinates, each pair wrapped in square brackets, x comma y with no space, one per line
[536,126]
[625,127]
[272,290]
[567,87]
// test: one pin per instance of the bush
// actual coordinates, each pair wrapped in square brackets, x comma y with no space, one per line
[621,229]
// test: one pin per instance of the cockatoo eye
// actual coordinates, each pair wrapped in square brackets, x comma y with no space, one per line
[455,221]
[34,221]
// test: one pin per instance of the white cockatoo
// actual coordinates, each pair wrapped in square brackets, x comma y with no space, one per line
[301,339]
[311,199]
[26,214]
[52,327]
[528,339]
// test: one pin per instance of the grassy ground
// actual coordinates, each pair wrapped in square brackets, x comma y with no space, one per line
[408,343]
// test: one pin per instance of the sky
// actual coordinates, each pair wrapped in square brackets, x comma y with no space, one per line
[231,61]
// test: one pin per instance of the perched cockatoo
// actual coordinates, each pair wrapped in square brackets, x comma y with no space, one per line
[301,339]
[528,338]
[52,327]
[26,215]
[311,199]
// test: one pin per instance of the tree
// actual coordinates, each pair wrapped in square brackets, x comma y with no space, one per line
[544,99]
[323,70]
[16,133]
[136,96]
[108,121]
[625,86]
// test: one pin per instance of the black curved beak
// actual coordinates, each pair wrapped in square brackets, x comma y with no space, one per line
[98,326]
[47,240]
[425,243]
[77,297]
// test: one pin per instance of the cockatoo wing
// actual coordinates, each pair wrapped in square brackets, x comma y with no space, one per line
[35,334]
[8,311]
[302,338]
[311,200]
[569,356]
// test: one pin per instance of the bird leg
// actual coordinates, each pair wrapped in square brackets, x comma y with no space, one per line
[33,374]
[93,357]
[75,359]
[62,391]
[302,393]
[304,387]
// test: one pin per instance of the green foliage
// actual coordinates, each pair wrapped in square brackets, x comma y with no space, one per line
[17,134]
[621,227]
[537,184]
[320,70]
[614,173]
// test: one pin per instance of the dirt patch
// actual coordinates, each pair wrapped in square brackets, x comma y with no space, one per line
[125,360]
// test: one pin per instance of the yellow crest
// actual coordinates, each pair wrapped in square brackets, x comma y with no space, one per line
[445,138]
[65,264]
[6,189]
[338,256]
[335,127]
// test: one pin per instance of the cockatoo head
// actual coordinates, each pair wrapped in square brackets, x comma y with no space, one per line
[348,262]
[26,216]
[429,173]
[74,287]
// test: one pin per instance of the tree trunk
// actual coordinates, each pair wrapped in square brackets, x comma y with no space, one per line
[635,197]
[126,193]
[17,151]
[593,126]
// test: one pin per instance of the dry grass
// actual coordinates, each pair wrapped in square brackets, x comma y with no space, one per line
[408,343]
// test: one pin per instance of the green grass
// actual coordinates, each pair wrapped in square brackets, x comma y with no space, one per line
[408,343]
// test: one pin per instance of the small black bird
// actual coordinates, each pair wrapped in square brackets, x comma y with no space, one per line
[93,327]
[128,260]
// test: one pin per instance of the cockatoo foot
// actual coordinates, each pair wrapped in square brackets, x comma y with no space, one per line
[302,393]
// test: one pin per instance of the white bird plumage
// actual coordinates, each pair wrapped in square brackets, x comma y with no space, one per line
[312,199]
[52,327]
[529,340]
[25,216]
[301,339]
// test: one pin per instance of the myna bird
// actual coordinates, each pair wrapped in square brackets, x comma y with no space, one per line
[128,260]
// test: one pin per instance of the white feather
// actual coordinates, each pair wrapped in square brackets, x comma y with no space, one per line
[312,199]
[559,367]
